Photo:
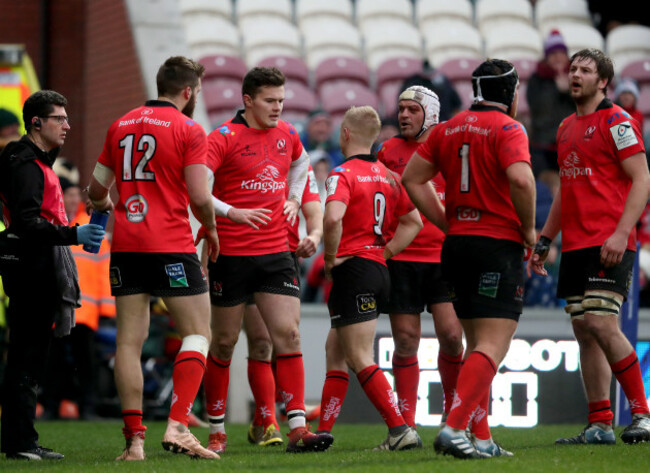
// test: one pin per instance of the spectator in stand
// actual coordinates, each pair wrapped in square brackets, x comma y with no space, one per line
[550,102]
[450,102]
[626,95]
[319,134]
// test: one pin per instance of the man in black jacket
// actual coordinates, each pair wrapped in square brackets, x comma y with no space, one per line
[41,292]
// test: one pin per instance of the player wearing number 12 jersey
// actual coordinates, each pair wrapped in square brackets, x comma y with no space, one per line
[365,202]
[490,207]
[156,157]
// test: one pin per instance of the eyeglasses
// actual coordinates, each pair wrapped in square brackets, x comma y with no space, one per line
[59,118]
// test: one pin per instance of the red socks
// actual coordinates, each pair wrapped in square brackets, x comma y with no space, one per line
[334,390]
[133,424]
[474,382]
[628,374]
[449,366]
[262,382]
[188,372]
[291,381]
[378,390]
[600,411]
[217,378]
[480,426]
[407,377]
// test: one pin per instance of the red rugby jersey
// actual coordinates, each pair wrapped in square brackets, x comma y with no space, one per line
[593,184]
[148,149]
[473,151]
[250,171]
[375,200]
[309,195]
[427,245]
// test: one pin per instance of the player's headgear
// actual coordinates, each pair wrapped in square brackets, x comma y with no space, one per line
[428,100]
[495,80]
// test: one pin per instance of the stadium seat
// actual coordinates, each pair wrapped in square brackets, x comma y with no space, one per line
[525,68]
[628,43]
[390,38]
[494,15]
[191,9]
[549,13]
[397,70]
[221,66]
[330,38]
[339,69]
[262,39]
[258,11]
[307,10]
[523,111]
[213,35]
[638,70]
[337,99]
[293,67]
[465,92]
[514,41]
[299,100]
[222,98]
[388,95]
[369,11]
[578,36]
[452,39]
[459,69]
[429,13]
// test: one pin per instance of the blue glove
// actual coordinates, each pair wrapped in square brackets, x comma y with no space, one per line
[90,234]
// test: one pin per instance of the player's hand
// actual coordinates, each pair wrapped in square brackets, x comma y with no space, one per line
[536,261]
[291,207]
[250,217]
[529,235]
[611,253]
[307,246]
[211,241]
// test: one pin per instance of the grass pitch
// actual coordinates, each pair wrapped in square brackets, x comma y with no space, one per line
[93,446]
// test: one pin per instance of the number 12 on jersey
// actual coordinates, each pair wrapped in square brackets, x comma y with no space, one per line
[147,146]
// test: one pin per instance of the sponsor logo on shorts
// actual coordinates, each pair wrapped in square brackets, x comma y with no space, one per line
[136,208]
[217,288]
[519,293]
[366,303]
[115,277]
[468,214]
[291,286]
[488,284]
[177,276]
[601,280]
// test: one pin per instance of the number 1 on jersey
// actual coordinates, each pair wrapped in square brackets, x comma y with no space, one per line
[146,145]
[464,167]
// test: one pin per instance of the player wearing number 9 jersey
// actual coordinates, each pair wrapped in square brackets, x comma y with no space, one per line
[490,207]
[156,157]
[365,203]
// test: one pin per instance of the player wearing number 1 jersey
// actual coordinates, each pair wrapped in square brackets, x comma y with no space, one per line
[365,204]
[489,217]
[156,157]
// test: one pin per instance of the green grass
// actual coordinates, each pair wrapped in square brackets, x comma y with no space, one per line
[92,447]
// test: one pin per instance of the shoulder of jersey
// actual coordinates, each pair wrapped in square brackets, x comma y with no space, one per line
[227,129]
[288,127]
[616,114]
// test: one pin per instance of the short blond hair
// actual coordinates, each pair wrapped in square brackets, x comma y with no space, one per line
[364,124]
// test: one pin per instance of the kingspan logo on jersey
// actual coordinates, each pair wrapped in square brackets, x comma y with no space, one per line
[265,181]
[573,167]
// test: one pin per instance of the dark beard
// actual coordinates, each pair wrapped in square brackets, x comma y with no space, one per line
[189,108]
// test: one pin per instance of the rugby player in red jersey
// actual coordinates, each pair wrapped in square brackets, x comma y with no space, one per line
[254,157]
[415,274]
[156,157]
[264,430]
[365,203]
[489,217]
[603,190]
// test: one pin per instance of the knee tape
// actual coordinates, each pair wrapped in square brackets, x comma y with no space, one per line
[574,308]
[195,343]
[602,303]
